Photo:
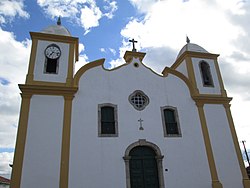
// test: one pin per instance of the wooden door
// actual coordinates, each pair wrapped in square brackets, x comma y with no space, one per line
[143,168]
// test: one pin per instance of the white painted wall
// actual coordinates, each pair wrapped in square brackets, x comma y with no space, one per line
[198,77]
[39,74]
[97,162]
[183,68]
[223,148]
[41,165]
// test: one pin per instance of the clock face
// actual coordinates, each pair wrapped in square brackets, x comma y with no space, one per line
[52,51]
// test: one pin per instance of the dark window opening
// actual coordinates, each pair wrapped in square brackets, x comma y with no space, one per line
[51,66]
[107,120]
[171,122]
[206,74]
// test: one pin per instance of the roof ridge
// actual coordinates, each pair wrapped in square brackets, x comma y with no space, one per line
[4,180]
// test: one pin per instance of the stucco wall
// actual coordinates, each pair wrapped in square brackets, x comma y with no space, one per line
[40,61]
[183,68]
[223,149]
[98,162]
[41,165]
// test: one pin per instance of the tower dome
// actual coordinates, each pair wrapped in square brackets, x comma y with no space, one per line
[191,47]
[57,29]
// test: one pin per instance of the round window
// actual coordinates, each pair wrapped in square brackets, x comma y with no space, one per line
[139,100]
[136,65]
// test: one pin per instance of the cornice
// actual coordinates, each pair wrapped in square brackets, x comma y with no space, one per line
[193,54]
[47,90]
[211,99]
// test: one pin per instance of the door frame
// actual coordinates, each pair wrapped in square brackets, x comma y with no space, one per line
[159,158]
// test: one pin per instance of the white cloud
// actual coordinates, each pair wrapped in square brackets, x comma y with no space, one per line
[113,51]
[220,26]
[108,50]
[14,58]
[168,22]
[116,63]
[10,9]
[90,17]
[110,8]
[143,6]
[6,159]
[85,13]
[102,50]
[83,58]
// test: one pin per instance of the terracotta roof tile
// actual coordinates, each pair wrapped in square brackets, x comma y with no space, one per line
[4,180]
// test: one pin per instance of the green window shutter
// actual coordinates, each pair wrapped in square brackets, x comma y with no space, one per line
[107,120]
[170,121]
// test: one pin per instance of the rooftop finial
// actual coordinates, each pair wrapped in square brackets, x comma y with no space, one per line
[133,41]
[187,39]
[59,21]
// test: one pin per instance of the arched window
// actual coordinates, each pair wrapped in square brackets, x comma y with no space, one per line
[206,74]
[170,121]
[143,162]
[107,120]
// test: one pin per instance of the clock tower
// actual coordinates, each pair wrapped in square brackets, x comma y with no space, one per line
[42,143]
[52,58]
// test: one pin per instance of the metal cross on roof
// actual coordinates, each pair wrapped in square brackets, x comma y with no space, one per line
[187,40]
[59,21]
[133,41]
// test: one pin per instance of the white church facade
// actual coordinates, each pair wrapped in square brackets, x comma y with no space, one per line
[128,127]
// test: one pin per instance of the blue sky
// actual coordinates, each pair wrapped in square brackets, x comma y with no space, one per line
[39,19]
[104,28]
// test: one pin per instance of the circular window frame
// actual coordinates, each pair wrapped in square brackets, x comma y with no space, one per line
[136,65]
[137,96]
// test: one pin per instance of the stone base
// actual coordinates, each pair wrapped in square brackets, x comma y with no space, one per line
[246,183]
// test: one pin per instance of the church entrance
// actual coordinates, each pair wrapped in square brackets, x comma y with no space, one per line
[143,168]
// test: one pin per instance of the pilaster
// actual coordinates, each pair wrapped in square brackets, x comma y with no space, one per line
[213,172]
[20,141]
[64,171]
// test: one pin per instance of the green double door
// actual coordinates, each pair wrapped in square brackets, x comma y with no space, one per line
[143,168]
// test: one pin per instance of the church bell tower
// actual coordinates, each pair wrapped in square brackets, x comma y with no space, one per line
[52,58]
[42,142]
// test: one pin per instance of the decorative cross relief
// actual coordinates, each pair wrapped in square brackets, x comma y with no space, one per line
[141,128]
[133,42]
